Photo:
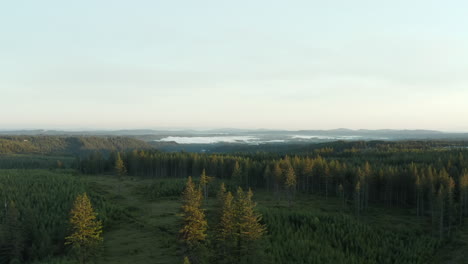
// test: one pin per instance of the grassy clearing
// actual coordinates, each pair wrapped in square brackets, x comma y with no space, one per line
[147,233]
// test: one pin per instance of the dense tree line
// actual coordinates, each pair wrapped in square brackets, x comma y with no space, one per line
[26,161]
[433,182]
[336,146]
[430,181]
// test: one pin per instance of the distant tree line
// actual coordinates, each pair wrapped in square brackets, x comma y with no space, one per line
[69,145]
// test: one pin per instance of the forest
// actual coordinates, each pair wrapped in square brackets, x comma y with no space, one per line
[337,202]
[67,145]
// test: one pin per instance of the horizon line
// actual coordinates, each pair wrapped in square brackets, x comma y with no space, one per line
[175,129]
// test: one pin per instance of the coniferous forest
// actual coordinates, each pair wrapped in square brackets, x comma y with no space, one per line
[340,202]
[233,132]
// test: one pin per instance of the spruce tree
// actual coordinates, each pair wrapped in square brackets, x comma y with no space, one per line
[86,229]
[290,183]
[367,171]
[441,207]
[267,176]
[463,196]
[226,230]
[277,176]
[237,174]
[120,170]
[248,226]
[14,236]
[204,180]
[119,166]
[194,228]
[327,176]
[221,195]
[357,198]
[450,204]
[419,196]
[307,174]
[342,196]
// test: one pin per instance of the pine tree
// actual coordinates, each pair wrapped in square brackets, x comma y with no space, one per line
[120,168]
[248,226]
[419,196]
[307,173]
[450,203]
[14,238]
[226,229]
[86,229]
[186,260]
[362,187]
[357,197]
[226,226]
[267,176]
[326,178]
[204,180]
[342,196]
[440,204]
[433,203]
[290,183]
[59,164]
[367,171]
[237,174]
[194,230]
[277,176]
[463,196]
[221,195]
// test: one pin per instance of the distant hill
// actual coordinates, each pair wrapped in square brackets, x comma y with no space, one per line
[66,145]
[294,148]
[150,134]
[213,140]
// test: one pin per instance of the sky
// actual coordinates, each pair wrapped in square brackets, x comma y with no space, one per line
[114,64]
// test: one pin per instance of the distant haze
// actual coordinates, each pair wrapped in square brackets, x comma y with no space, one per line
[115,64]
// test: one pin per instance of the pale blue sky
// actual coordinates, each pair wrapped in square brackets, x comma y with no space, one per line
[248,64]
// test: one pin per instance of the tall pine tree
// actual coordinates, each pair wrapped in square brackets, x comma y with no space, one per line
[86,229]
[248,226]
[195,225]
[290,184]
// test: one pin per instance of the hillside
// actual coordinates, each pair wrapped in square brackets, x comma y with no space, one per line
[64,145]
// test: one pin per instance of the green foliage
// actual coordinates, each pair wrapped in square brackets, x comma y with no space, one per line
[304,237]
[162,188]
[194,230]
[12,244]
[421,179]
[43,200]
[172,187]
[368,173]
[204,181]
[22,161]
[86,235]
[120,169]
[236,175]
